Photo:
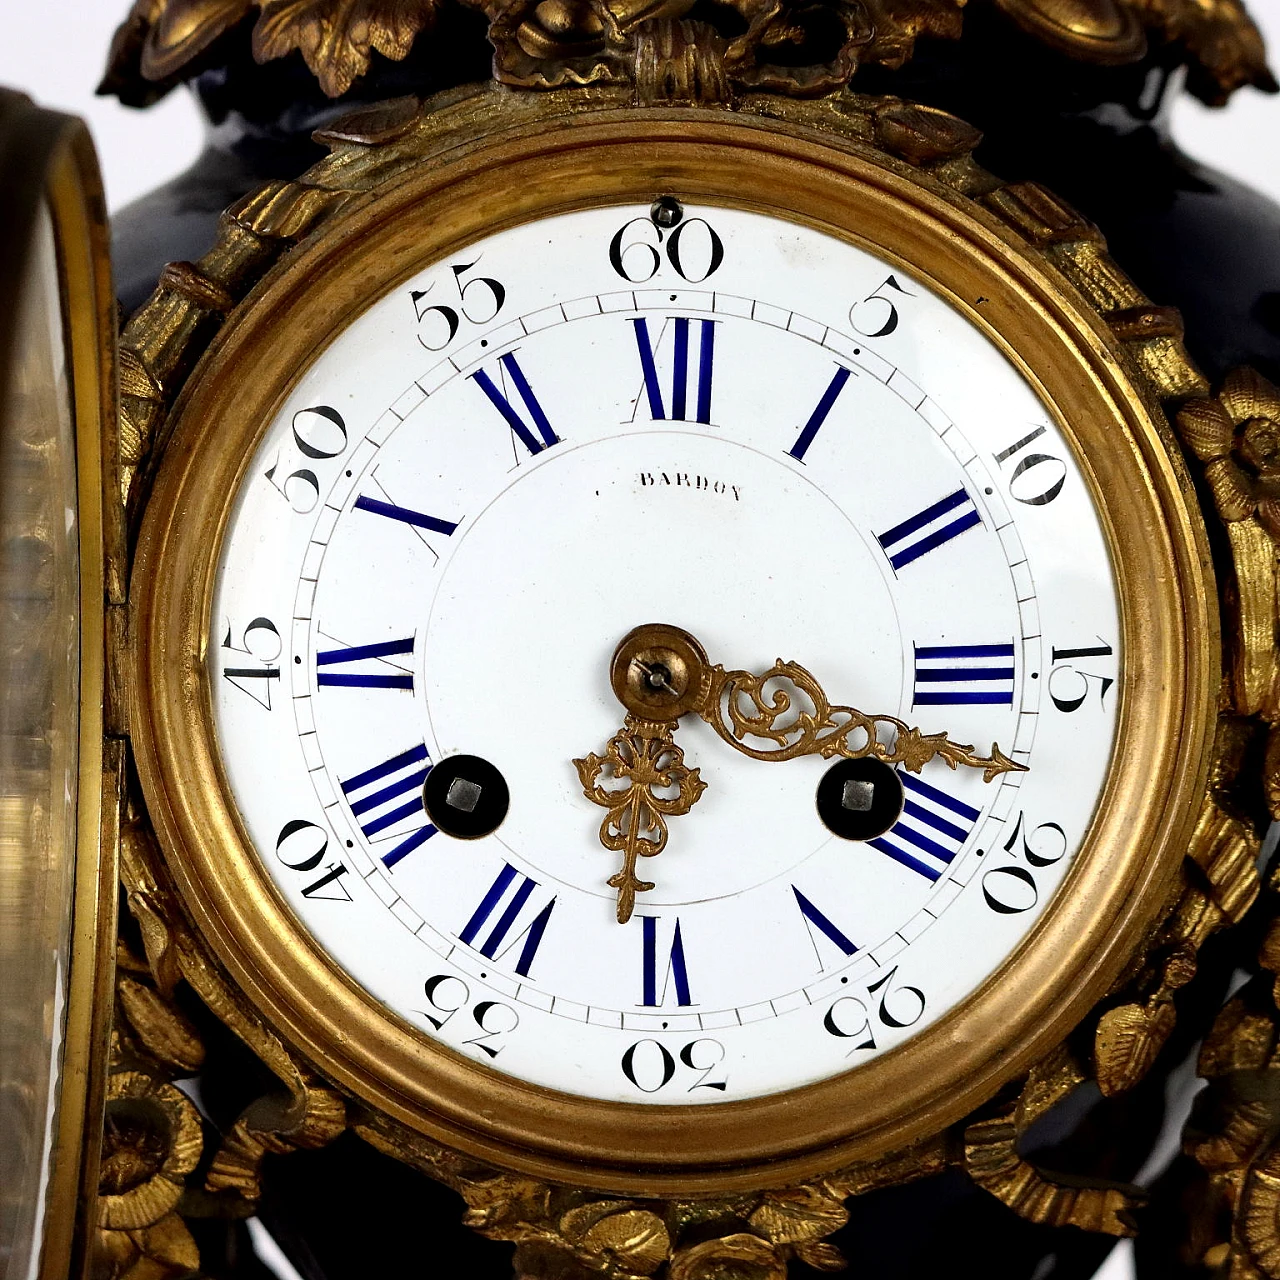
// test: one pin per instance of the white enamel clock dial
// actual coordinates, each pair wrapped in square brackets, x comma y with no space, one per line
[736,425]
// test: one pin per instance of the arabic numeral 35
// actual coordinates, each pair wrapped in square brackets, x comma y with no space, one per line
[449,995]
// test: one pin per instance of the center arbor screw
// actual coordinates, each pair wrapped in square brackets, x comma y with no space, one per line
[660,673]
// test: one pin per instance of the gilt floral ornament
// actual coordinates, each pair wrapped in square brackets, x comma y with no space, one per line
[797,47]
[1237,437]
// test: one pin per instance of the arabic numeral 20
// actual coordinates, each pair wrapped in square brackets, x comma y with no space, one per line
[1011,889]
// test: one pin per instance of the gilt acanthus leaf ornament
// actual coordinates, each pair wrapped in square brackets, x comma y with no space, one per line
[800,48]
[336,38]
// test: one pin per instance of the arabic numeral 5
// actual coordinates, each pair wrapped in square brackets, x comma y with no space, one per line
[319,435]
[449,995]
[899,1006]
[480,299]
[651,1066]
[1011,890]
[637,250]
[876,316]
[1070,687]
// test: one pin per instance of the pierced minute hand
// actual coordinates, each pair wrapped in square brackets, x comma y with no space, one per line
[662,672]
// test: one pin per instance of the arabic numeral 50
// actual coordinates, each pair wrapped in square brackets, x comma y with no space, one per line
[319,435]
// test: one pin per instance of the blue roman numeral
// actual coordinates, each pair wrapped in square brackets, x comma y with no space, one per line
[524,431]
[957,675]
[679,370]
[387,796]
[677,973]
[929,529]
[932,829]
[512,888]
[351,654]
[414,518]
[814,919]
[819,415]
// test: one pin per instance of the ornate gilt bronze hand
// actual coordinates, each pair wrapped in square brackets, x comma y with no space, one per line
[660,673]
[645,757]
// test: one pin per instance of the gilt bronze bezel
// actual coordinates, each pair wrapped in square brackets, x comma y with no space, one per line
[548,163]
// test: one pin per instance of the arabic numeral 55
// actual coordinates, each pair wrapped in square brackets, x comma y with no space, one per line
[479,301]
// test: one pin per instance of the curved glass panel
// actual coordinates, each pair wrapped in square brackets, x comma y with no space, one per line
[39,705]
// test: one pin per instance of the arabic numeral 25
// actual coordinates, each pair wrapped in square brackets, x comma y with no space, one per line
[479,301]
[448,995]
[899,1006]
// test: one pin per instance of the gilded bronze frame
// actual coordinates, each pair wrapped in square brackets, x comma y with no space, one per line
[1128,866]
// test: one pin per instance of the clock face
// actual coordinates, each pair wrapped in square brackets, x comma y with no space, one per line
[698,416]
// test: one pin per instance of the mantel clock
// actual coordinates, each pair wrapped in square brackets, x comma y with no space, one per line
[655,644]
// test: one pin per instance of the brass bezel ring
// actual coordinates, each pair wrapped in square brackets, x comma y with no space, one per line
[545,164]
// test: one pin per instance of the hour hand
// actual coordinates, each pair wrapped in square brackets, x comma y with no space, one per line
[651,784]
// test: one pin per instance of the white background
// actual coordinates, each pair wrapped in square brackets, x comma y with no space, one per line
[55,50]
